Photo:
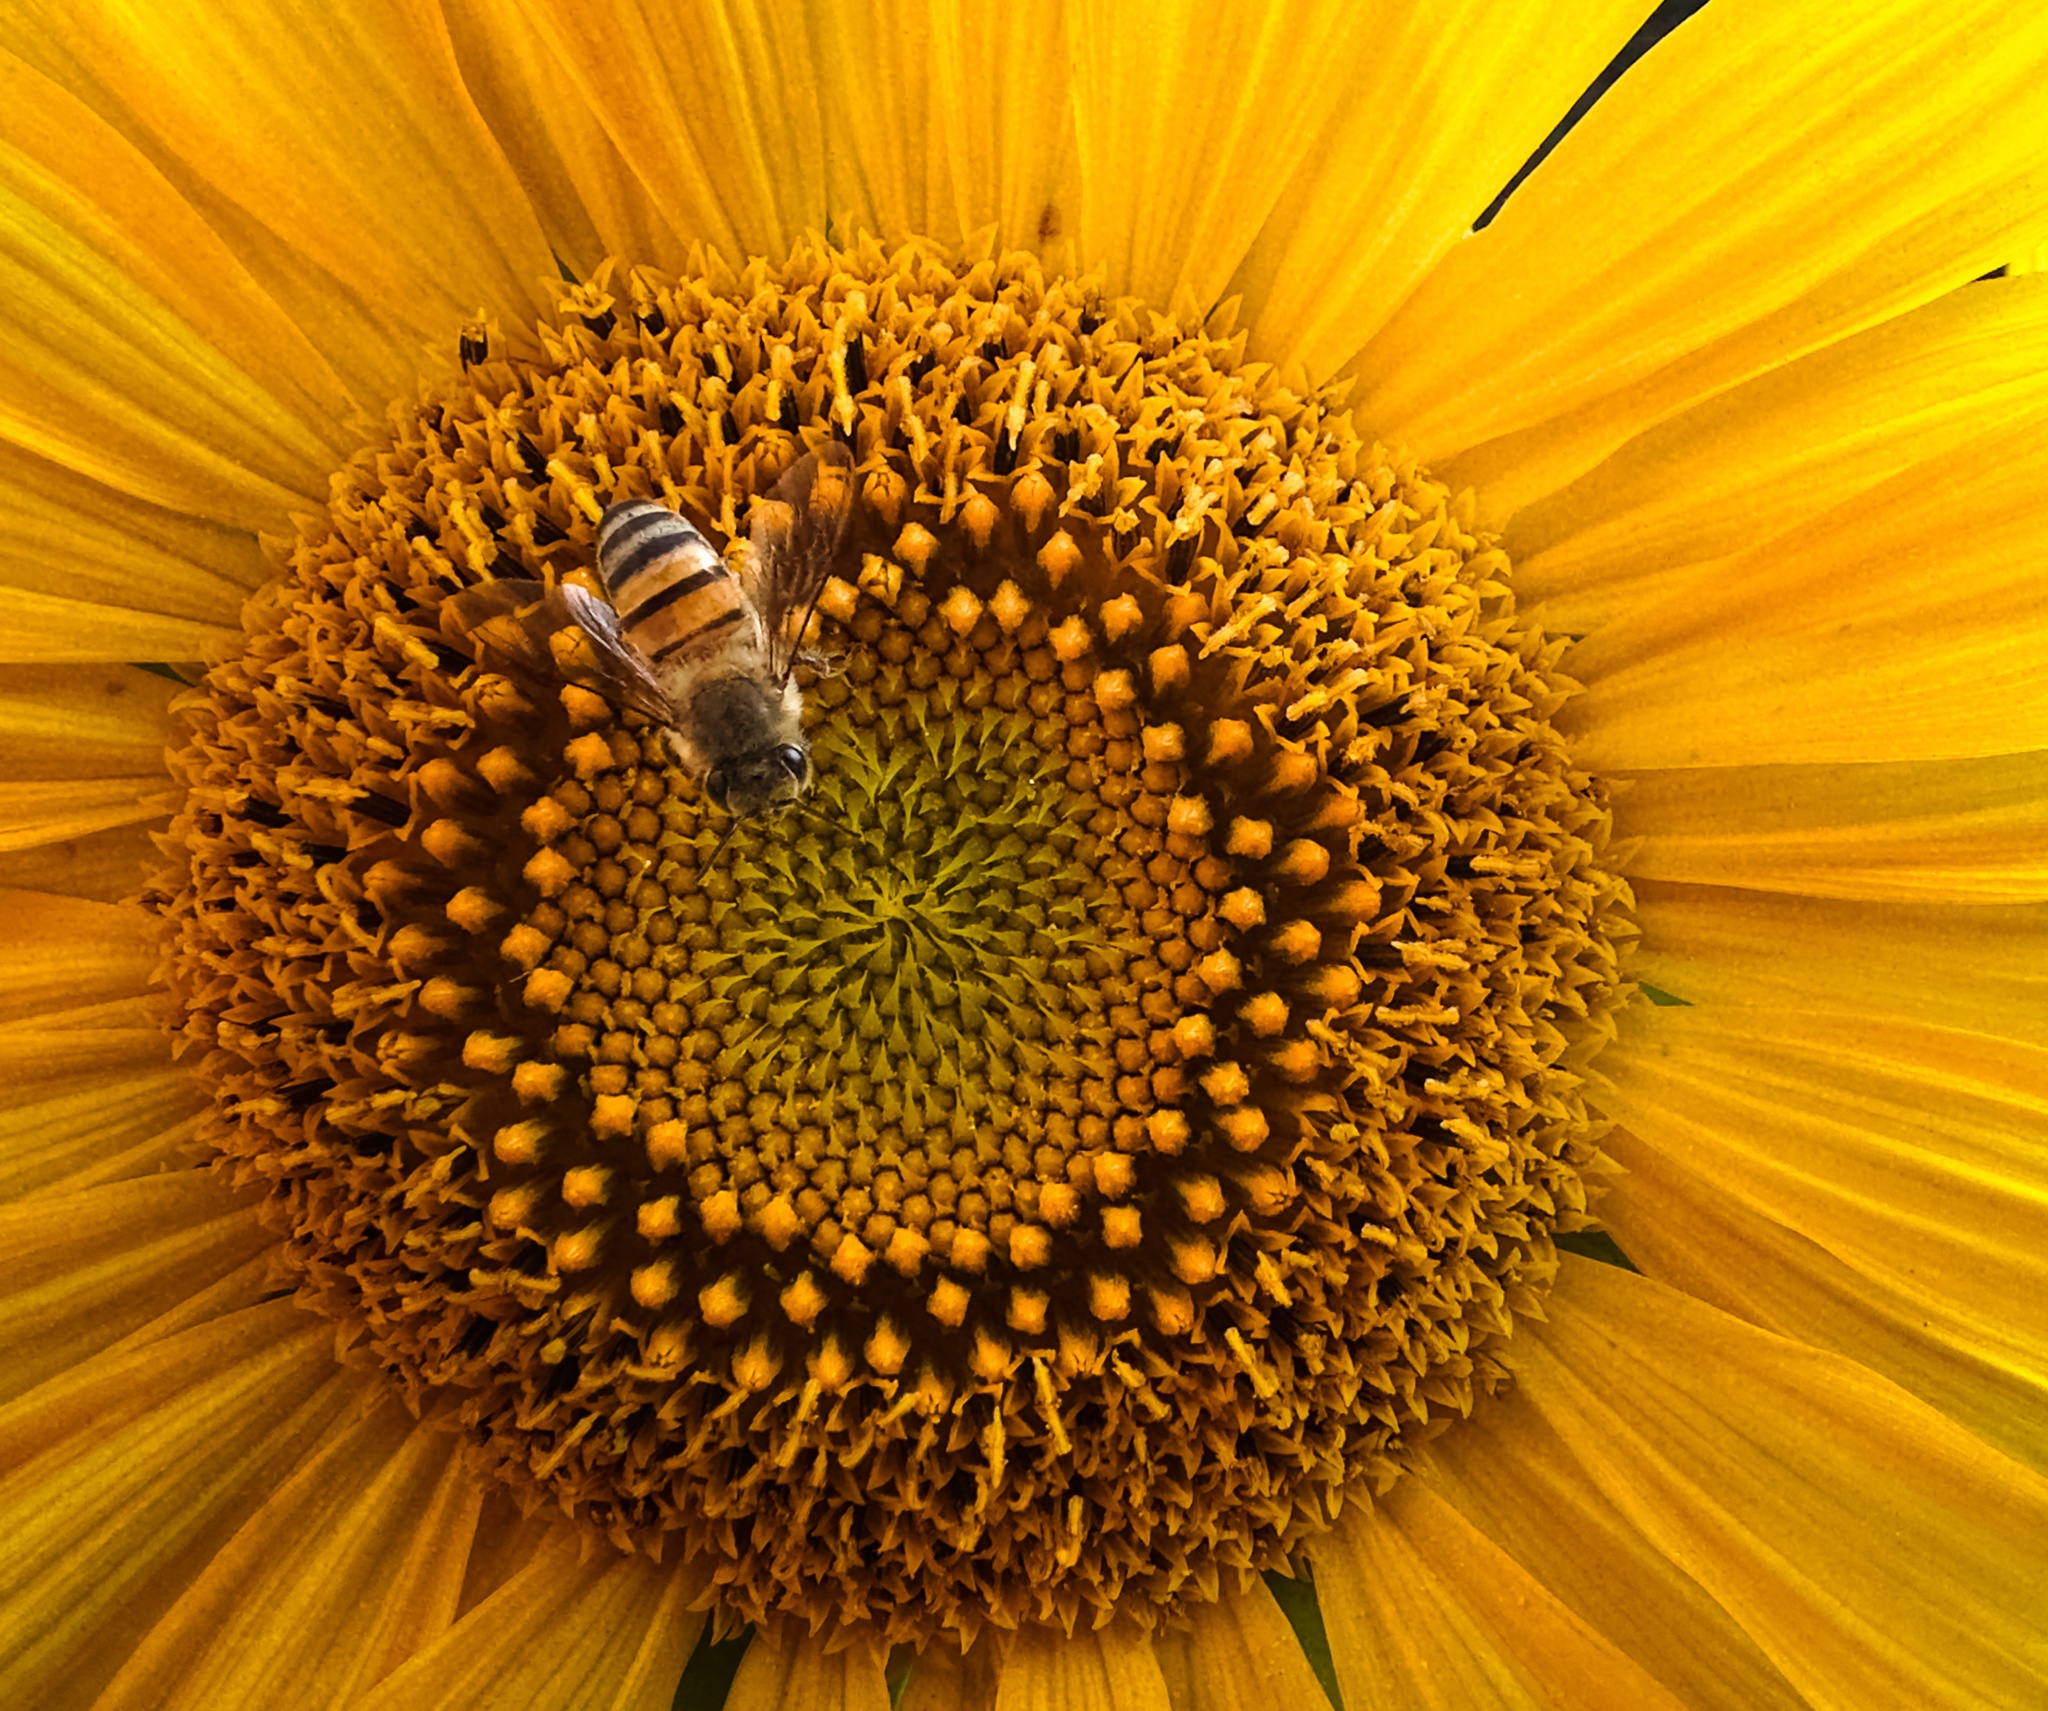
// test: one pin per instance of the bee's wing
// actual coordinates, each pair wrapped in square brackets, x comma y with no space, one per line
[508,620]
[795,538]
[513,623]
[621,668]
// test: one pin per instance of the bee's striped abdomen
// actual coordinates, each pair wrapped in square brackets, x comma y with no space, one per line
[670,586]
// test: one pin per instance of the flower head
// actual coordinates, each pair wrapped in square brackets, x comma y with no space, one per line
[1101,1121]
[1101,1152]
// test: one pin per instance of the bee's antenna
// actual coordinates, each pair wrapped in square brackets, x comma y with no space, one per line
[732,826]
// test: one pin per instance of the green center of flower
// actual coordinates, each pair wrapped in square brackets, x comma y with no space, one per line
[925,915]
[1050,1163]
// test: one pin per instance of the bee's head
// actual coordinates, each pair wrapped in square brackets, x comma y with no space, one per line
[761,781]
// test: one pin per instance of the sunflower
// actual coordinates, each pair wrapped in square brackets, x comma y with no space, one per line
[1397,1050]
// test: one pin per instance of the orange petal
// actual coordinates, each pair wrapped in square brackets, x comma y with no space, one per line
[72,722]
[120,1477]
[353,1565]
[1178,166]
[140,352]
[1424,1610]
[1930,1335]
[506,1541]
[1237,1654]
[886,163]
[1853,1121]
[44,811]
[714,108]
[104,865]
[80,750]
[115,1121]
[942,1679]
[1908,1154]
[1977,968]
[56,1050]
[61,531]
[58,953]
[1429,110]
[611,1631]
[588,199]
[790,1668]
[948,120]
[40,626]
[1111,1669]
[91,1269]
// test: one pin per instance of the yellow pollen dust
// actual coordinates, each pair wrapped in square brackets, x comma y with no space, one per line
[1044,1168]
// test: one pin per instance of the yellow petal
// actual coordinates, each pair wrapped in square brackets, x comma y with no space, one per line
[1425,1611]
[1768,179]
[1885,630]
[53,1051]
[587,198]
[104,865]
[1880,1555]
[119,1477]
[943,120]
[1434,109]
[1964,831]
[1978,968]
[60,952]
[1179,166]
[1238,1654]
[42,812]
[1909,1153]
[35,625]
[506,1541]
[603,1633]
[1884,1098]
[885,148]
[61,532]
[1509,1475]
[1763,458]
[714,107]
[1111,1669]
[1002,99]
[72,722]
[942,1679]
[353,1565]
[1682,1226]
[86,1270]
[791,1668]
[336,152]
[139,352]
[132,1118]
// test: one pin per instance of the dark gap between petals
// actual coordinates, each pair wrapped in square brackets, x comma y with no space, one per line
[1667,17]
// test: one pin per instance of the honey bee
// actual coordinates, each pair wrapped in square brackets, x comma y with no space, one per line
[706,653]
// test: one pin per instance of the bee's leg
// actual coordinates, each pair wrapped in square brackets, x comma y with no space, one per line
[809,808]
[820,664]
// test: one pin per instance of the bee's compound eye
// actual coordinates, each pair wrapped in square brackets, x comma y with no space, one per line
[794,760]
[715,787]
